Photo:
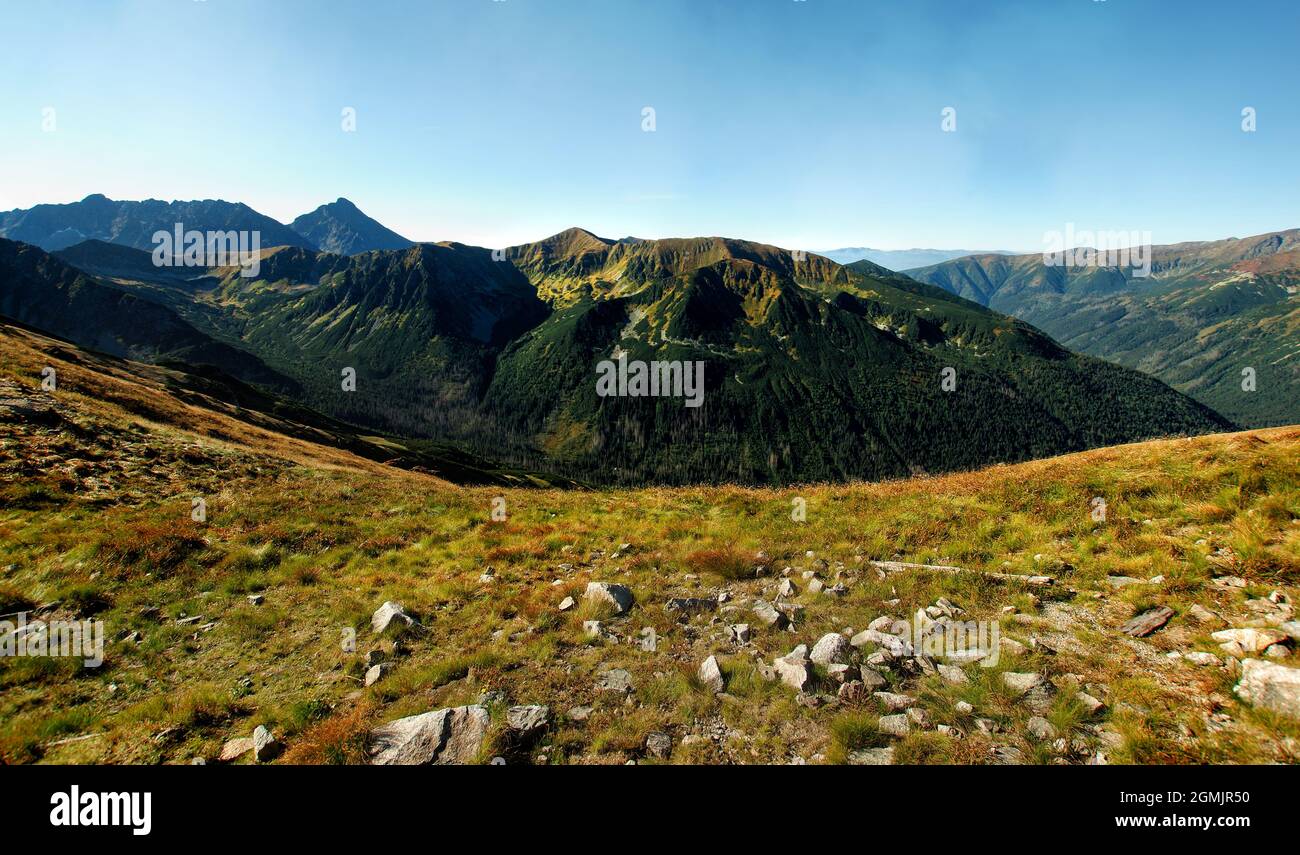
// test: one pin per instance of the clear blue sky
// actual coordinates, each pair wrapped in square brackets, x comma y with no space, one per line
[808,124]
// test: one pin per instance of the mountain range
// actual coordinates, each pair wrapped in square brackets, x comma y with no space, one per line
[1207,312]
[812,370]
[898,259]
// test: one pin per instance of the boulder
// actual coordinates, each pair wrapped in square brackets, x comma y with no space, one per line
[710,675]
[375,673]
[615,680]
[1247,640]
[528,720]
[895,725]
[566,604]
[894,702]
[739,633]
[768,615]
[831,647]
[451,736]
[685,607]
[952,674]
[235,748]
[1148,622]
[659,745]
[618,597]
[1041,729]
[1020,683]
[794,669]
[871,757]
[389,614]
[1271,686]
[873,679]
[265,746]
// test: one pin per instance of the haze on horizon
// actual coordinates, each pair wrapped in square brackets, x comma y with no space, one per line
[811,124]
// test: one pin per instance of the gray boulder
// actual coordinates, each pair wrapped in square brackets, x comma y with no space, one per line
[452,736]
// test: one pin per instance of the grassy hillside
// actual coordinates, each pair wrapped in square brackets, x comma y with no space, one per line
[96,482]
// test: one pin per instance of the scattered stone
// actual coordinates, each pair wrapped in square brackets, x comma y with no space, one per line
[388,614]
[265,746]
[376,672]
[1276,651]
[1020,683]
[1041,729]
[659,745]
[528,720]
[963,708]
[566,604]
[1200,657]
[451,736]
[1247,640]
[793,668]
[619,597]
[235,748]
[768,615]
[918,716]
[739,633]
[591,628]
[579,713]
[1292,629]
[615,680]
[830,648]
[873,679]
[952,674]
[1091,705]
[841,673]
[895,725]
[688,606]
[786,588]
[256,599]
[894,702]
[1147,622]
[872,757]
[649,642]
[1271,686]
[852,692]
[815,585]
[710,675]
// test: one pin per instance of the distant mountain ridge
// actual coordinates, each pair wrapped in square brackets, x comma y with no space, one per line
[900,259]
[1208,311]
[338,227]
[813,371]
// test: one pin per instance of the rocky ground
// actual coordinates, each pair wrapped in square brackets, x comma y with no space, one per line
[328,610]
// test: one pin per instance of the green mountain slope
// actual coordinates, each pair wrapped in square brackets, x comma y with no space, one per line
[1207,312]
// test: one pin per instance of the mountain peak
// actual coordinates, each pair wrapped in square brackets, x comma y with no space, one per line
[340,227]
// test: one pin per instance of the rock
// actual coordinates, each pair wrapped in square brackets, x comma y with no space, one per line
[1292,629]
[793,668]
[841,673]
[710,675]
[918,716]
[852,692]
[451,736]
[873,679]
[618,597]
[374,656]
[265,746]
[579,713]
[871,757]
[375,673]
[1200,657]
[895,725]
[963,708]
[528,720]
[566,604]
[881,624]
[1147,622]
[831,647]
[235,748]
[1091,705]
[894,702]
[256,599]
[768,615]
[1271,686]
[591,628]
[952,674]
[1248,640]
[687,606]
[1276,651]
[739,633]
[659,745]
[649,641]
[1202,615]
[1020,683]
[615,680]
[892,644]
[387,615]
[786,588]
[1041,729]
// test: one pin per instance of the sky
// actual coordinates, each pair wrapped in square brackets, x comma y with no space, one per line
[809,124]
